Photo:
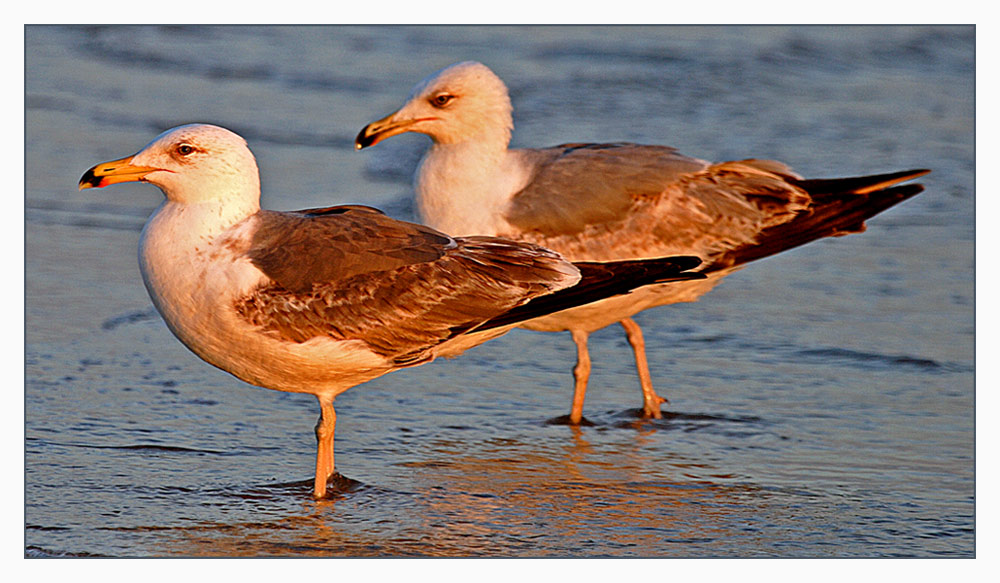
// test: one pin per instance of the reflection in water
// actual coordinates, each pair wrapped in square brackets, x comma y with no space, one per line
[501,500]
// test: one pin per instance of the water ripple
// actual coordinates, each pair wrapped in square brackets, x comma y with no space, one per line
[871,359]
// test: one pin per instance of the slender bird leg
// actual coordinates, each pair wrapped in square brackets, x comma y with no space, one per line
[324,446]
[581,372]
[651,401]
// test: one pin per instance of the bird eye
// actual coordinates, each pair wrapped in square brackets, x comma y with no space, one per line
[441,99]
[185,149]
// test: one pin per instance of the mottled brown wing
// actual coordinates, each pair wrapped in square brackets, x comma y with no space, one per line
[576,185]
[726,213]
[300,249]
[702,213]
[406,308]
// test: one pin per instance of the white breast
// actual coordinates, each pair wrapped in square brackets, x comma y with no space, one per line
[462,189]
[195,269]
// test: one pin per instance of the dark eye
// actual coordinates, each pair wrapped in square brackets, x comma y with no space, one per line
[441,99]
[185,149]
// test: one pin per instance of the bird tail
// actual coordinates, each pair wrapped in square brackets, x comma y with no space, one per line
[840,206]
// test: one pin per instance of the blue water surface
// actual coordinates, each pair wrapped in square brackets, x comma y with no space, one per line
[821,401]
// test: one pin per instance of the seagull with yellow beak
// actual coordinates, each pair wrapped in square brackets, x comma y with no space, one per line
[320,300]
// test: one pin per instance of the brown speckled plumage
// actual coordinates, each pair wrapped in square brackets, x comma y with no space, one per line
[613,201]
[351,273]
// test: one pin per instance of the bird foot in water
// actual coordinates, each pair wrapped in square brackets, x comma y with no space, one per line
[338,484]
[651,410]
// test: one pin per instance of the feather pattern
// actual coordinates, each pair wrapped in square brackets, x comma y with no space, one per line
[402,296]
[613,201]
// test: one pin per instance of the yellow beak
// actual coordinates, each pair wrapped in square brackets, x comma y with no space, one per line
[386,127]
[114,172]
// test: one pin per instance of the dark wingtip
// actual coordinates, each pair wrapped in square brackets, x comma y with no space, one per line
[682,264]
[908,175]
[602,280]
[686,262]
[859,184]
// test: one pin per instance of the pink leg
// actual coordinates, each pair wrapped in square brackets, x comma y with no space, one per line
[651,401]
[324,447]
[581,372]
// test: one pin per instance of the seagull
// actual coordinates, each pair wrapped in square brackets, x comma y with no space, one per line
[613,201]
[320,300]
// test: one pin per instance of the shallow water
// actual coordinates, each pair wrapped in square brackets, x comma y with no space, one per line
[821,401]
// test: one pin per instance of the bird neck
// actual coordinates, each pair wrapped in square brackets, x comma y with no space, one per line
[461,188]
[196,225]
